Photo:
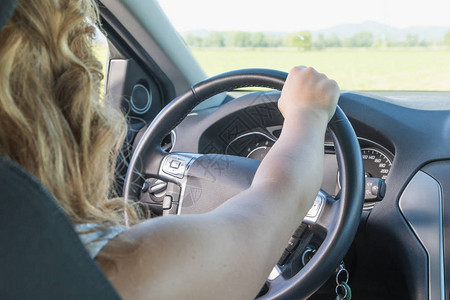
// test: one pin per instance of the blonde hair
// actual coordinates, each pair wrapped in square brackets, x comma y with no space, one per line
[52,121]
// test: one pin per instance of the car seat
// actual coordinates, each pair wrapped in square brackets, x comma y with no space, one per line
[41,256]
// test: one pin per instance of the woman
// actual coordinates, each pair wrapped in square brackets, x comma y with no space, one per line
[69,140]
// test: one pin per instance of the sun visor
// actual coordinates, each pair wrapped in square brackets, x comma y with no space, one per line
[6,10]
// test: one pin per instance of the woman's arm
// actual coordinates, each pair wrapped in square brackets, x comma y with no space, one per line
[229,252]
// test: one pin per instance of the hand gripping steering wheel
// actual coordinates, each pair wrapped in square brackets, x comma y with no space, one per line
[338,218]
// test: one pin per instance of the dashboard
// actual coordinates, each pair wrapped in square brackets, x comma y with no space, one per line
[253,124]
[403,145]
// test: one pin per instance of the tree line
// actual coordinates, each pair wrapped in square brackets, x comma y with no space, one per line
[303,40]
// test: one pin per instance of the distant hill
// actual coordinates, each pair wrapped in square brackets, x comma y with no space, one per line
[380,30]
[203,33]
[428,33]
[348,30]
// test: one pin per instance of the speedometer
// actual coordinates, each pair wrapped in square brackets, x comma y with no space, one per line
[376,163]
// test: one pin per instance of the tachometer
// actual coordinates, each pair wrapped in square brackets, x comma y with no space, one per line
[376,163]
[252,145]
[259,152]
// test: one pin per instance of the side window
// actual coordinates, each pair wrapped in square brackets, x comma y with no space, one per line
[101,51]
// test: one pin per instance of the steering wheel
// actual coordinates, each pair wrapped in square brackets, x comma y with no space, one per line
[222,176]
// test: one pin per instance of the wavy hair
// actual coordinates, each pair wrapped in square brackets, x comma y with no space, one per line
[52,120]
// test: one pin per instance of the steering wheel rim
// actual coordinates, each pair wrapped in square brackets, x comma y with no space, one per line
[346,213]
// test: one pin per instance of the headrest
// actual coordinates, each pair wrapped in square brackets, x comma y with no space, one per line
[7,8]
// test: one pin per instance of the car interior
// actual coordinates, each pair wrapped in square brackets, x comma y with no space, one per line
[381,211]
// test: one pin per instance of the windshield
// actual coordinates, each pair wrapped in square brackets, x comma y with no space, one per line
[364,45]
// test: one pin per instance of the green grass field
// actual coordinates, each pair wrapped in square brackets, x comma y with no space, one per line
[353,69]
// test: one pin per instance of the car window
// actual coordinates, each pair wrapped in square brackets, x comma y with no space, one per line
[364,45]
[101,51]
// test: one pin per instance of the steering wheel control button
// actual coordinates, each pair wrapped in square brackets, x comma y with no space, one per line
[275,273]
[175,164]
[300,230]
[291,244]
[175,167]
[314,211]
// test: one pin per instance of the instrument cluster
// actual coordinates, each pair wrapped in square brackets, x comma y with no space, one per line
[377,159]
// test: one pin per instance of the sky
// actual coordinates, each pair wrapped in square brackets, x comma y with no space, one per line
[295,15]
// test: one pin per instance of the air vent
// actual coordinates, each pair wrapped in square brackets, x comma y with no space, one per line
[169,142]
[141,99]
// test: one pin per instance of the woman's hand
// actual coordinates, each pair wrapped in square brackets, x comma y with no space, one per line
[307,90]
